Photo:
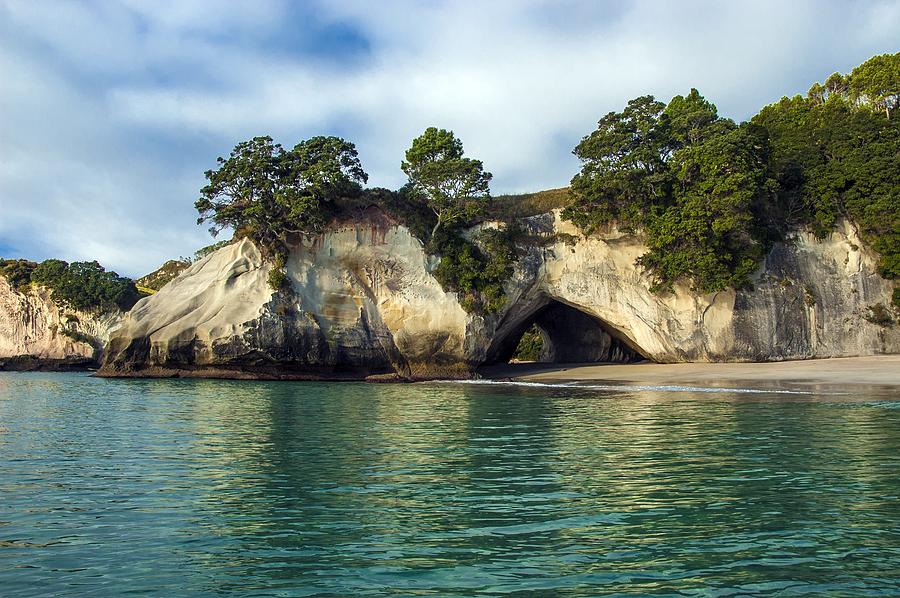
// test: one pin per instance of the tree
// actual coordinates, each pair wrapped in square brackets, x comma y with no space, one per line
[17,272]
[85,285]
[707,233]
[688,179]
[878,81]
[837,159]
[454,188]
[268,193]
[624,172]
[690,117]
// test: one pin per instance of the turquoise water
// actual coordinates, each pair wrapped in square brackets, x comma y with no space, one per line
[212,488]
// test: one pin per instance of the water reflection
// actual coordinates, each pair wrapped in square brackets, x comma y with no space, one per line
[209,487]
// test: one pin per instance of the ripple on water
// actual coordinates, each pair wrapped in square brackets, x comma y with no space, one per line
[199,487]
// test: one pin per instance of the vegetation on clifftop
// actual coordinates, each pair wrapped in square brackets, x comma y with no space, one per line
[456,190]
[162,275]
[84,286]
[710,195]
[267,193]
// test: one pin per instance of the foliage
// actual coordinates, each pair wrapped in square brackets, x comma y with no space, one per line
[78,336]
[477,271]
[268,193]
[278,278]
[161,276]
[706,232]
[209,249]
[17,272]
[876,82]
[405,206]
[834,155]
[686,177]
[85,285]
[453,187]
[895,298]
[624,173]
[530,345]
[711,196]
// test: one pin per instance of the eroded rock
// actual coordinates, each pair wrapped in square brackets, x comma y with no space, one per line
[363,302]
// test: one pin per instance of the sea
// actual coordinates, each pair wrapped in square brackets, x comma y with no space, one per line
[239,488]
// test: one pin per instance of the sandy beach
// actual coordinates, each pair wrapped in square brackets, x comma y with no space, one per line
[881,370]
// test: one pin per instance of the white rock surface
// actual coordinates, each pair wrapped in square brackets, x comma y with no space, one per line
[33,325]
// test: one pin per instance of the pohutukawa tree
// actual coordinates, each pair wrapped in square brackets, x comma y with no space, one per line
[267,193]
[454,188]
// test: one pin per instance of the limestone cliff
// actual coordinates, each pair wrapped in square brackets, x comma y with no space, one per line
[37,333]
[362,301]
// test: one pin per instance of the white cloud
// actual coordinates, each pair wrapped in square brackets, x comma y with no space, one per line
[127,104]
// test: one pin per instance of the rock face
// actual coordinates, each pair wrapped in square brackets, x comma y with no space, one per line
[362,301]
[37,333]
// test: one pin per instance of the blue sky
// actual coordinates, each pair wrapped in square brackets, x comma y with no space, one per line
[110,111]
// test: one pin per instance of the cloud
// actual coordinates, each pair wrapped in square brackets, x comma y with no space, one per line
[111,111]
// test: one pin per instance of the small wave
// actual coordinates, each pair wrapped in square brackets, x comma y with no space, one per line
[630,387]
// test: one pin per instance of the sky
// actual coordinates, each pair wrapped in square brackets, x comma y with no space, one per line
[111,111]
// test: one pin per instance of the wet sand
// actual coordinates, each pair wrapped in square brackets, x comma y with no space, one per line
[881,370]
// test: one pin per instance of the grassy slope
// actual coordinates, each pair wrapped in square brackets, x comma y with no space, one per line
[521,205]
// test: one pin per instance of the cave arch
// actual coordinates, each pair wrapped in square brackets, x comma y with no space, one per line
[569,335]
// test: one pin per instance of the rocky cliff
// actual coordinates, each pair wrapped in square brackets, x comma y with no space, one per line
[37,333]
[362,301]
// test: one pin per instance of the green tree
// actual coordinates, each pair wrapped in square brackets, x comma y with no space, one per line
[624,172]
[454,188]
[85,285]
[267,193]
[877,81]
[690,180]
[837,159]
[707,233]
[17,272]
[690,118]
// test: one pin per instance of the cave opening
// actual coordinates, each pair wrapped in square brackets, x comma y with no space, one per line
[555,332]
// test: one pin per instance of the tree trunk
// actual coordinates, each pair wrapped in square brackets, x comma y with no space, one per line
[437,225]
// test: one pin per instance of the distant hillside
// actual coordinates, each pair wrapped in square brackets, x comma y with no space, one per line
[162,275]
[520,205]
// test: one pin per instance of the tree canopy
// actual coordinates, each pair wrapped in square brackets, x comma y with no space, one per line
[267,193]
[79,285]
[454,188]
[835,155]
[685,176]
[877,81]
[710,195]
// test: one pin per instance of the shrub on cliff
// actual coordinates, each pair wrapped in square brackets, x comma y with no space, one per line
[162,275]
[269,193]
[17,272]
[477,271]
[85,285]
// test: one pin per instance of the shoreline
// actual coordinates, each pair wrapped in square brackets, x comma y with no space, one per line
[875,370]
[30,363]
